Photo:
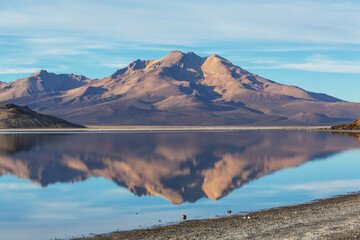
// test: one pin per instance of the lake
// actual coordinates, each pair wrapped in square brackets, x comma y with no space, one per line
[59,185]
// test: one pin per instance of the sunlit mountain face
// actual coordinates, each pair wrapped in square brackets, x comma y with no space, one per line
[178,167]
[178,89]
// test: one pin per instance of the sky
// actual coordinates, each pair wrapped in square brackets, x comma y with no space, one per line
[313,44]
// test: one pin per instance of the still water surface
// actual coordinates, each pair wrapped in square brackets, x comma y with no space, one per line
[63,185]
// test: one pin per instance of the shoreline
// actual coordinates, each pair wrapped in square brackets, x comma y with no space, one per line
[160,129]
[331,218]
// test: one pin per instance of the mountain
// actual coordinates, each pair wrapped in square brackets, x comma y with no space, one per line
[13,116]
[178,167]
[41,82]
[178,89]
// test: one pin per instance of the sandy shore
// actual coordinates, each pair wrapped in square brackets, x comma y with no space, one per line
[334,218]
[162,128]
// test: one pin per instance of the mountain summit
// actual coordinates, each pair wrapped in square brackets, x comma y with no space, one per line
[178,89]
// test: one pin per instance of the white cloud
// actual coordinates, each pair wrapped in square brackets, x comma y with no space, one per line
[329,66]
[71,42]
[10,61]
[320,63]
[18,70]
[115,65]
[60,52]
[299,49]
[52,40]
[186,22]
[315,63]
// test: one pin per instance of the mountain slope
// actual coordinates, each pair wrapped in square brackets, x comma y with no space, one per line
[181,89]
[41,82]
[352,126]
[13,116]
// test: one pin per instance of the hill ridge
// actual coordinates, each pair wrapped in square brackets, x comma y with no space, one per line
[14,116]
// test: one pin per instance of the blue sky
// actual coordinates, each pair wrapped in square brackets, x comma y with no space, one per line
[312,44]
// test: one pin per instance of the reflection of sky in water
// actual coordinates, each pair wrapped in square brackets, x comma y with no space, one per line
[97,205]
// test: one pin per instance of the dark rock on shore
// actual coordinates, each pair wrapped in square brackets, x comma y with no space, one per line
[14,116]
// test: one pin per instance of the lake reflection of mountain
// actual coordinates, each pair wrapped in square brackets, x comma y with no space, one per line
[177,166]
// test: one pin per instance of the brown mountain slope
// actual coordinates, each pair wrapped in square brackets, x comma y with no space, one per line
[178,167]
[13,116]
[352,126]
[184,89]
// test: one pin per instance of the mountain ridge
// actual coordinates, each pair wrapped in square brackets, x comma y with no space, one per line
[178,89]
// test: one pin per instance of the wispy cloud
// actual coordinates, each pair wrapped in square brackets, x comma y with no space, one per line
[60,52]
[186,22]
[52,40]
[315,63]
[18,70]
[323,64]
[116,65]
[298,49]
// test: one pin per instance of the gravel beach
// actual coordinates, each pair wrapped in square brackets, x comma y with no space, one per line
[333,218]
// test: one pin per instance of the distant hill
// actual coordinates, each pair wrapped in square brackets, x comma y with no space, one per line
[178,89]
[352,126]
[13,116]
